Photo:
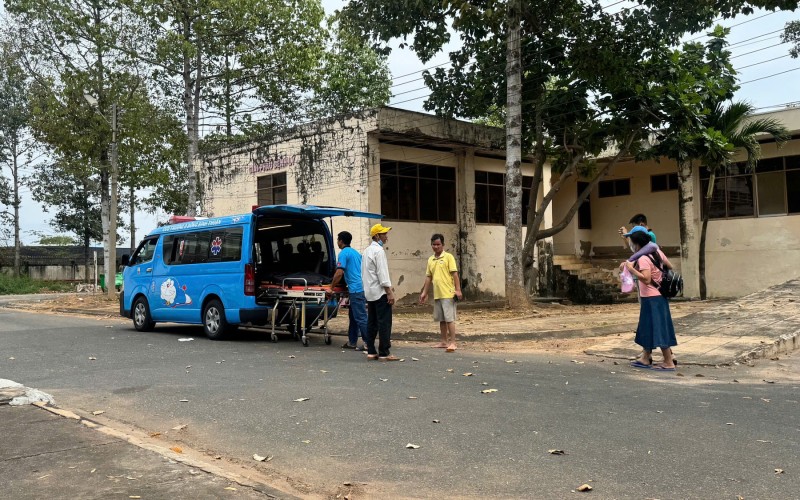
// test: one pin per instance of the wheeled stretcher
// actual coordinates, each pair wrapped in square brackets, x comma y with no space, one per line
[300,308]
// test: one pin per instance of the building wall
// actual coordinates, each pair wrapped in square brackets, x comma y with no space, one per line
[747,255]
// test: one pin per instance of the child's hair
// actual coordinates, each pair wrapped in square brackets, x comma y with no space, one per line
[640,238]
[639,220]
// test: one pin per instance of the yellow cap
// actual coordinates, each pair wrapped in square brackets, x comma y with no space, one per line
[378,229]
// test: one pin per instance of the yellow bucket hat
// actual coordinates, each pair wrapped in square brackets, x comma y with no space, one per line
[378,229]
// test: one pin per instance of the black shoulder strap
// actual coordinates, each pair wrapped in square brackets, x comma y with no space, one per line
[656,259]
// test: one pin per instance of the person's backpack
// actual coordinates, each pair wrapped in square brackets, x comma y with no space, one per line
[671,284]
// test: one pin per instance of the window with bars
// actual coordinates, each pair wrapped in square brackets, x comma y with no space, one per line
[773,188]
[272,189]
[490,197]
[418,192]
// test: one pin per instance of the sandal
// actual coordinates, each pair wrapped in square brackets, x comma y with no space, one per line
[348,345]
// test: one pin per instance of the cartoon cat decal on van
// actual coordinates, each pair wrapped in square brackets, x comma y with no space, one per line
[174,296]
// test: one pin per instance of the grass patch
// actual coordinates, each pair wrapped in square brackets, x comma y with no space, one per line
[9,285]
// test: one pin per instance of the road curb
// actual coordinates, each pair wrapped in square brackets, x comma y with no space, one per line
[140,441]
[784,343]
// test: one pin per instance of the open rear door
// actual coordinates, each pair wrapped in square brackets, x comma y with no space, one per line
[312,211]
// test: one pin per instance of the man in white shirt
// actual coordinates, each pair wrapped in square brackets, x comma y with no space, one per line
[379,294]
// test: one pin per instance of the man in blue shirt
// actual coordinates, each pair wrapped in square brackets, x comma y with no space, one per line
[348,266]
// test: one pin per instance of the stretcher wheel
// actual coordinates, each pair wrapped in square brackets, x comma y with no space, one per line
[273,337]
[327,339]
[305,341]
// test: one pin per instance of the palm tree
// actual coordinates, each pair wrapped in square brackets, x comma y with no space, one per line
[728,130]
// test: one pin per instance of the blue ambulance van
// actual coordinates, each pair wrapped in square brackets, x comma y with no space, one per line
[212,272]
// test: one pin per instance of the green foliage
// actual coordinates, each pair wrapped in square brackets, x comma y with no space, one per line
[10,285]
[792,35]
[58,240]
[353,76]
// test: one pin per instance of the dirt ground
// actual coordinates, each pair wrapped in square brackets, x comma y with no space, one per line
[473,323]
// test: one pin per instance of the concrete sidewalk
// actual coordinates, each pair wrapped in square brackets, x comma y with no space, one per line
[759,325]
[49,453]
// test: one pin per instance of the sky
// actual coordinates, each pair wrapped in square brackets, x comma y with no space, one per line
[768,77]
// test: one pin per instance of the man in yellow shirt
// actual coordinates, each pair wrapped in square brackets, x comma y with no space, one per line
[443,273]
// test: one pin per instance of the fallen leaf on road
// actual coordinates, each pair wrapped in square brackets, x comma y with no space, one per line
[291,356]
[92,358]
[258,458]
[412,446]
[306,441]
[412,397]
[109,326]
[12,358]
[218,457]
[177,449]
[510,361]
[435,420]
[183,400]
[484,383]
[728,423]
[578,362]
[187,339]
[230,488]
[765,400]
[557,452]
[468,374]
[762,441]
[179,427]
[699,375]
[384,380]
[98,412]
[347,483]
[300,400]
[154,434]
[770,381]
[414,359]
[48,475]
[487,391]
[778,471]
[92,471]
[324,371]
[735,381]
[584,487]
[450,370]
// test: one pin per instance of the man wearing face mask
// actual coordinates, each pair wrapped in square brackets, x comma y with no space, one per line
[379,294]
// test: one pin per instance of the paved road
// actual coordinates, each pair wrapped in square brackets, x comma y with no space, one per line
[628,433]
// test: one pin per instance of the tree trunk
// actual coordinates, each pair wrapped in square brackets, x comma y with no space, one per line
[133,219]
[105,207]
[191,104]
[701,267]
[113,207]
[687,224]
[515,290]
[16,203]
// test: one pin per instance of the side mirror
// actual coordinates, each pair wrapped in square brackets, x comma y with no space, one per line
[126,260]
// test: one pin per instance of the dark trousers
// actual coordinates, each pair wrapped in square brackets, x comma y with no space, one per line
[379,324]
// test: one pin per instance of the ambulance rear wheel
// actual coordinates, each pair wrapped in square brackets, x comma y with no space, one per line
[141,316]
[214,323]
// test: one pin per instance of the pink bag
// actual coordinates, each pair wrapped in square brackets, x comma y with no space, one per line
[627,280]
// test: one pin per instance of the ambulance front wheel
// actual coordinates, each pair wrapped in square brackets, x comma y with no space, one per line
[141,316]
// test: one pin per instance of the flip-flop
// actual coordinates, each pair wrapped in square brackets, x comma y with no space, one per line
[450,350]
[663,368]
[639,364]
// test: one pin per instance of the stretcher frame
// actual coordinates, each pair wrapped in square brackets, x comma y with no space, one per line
[293,301]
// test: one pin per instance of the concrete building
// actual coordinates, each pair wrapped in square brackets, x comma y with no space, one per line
[428,174]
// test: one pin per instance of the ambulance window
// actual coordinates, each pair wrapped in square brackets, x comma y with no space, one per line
[145,252]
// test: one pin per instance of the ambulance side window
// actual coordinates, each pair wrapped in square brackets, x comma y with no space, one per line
[145,252]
